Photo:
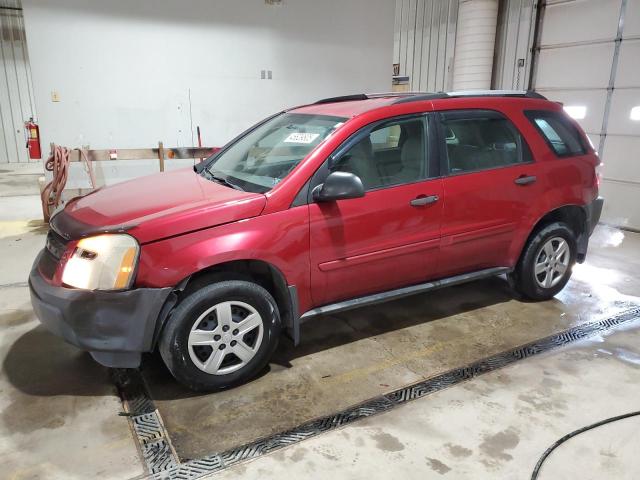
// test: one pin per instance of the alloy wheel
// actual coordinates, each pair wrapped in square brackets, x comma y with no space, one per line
[225,337]
[552,262]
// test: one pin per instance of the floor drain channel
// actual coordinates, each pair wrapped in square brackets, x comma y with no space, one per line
[146,421]
[163,463]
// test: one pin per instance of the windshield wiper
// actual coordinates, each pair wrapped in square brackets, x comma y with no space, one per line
[222,180]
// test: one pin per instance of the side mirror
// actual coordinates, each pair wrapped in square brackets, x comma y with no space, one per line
[339,186]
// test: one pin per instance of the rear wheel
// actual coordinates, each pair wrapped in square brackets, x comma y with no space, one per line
[545,265]
[221,335]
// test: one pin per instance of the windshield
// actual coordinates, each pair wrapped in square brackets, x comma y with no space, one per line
[258,161]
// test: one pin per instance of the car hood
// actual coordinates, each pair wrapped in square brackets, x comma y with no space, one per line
[156,206]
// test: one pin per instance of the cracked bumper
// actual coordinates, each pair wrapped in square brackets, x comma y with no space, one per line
[114,327]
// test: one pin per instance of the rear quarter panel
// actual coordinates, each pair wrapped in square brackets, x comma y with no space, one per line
[565,180]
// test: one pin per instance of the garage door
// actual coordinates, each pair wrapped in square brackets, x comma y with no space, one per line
[588,60]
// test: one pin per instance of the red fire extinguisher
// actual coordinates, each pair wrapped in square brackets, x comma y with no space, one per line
[33,139]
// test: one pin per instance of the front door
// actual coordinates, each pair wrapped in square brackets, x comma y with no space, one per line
[390,237]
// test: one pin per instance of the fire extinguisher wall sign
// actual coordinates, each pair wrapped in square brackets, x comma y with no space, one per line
[33,139]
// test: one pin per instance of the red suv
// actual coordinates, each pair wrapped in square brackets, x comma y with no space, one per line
[322,208]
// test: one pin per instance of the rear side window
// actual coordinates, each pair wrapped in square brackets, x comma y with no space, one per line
[559,132]
[480,140]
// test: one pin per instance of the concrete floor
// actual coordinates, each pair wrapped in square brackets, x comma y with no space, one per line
[348,358]
[494,426]
[491,427]
[58,410]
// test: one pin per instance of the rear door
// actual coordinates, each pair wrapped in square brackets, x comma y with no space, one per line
[490,182]
[390,237]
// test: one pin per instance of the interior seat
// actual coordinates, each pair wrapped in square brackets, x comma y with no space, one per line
[412,159]
[360,161]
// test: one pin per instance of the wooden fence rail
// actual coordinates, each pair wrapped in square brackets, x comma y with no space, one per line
[162,153]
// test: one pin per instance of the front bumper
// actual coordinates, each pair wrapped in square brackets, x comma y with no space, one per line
[115,327]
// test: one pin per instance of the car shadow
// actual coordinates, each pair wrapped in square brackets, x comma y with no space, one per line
[331,331]
[40,364]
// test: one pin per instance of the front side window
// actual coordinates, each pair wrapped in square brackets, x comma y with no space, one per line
[259,160]
[559,132]
[477,140]
[393,153]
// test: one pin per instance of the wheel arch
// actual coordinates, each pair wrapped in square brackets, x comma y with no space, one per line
[574,216]
[260,272]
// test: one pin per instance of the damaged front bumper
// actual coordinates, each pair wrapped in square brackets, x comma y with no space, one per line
[115,327]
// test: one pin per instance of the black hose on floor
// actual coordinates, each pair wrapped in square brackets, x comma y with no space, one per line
[548,451]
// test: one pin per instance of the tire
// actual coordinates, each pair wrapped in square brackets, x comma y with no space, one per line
[218,354]
[543,251]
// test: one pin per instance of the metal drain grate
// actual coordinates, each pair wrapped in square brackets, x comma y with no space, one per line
[146,422]
[163,463]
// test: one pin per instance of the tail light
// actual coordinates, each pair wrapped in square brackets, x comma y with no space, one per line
[598,174]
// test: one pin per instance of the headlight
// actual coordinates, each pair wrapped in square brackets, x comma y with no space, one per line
[104,262]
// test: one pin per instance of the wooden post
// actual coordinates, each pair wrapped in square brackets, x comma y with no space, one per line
[161,156]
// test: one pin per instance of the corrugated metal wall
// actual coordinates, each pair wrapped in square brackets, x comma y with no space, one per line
[424,41]
[425,35]
[16,92]
[514,38]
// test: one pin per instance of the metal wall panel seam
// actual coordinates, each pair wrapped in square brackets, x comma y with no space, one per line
[579,43]
[612,77]
[27,66]
[6,78]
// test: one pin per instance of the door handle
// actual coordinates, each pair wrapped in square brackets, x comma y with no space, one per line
[426,200]
[525,179]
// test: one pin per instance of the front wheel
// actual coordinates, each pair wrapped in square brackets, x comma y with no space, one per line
[221,335]
[545,265]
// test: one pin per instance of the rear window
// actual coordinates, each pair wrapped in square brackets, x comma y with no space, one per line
[480,140]
[560,133]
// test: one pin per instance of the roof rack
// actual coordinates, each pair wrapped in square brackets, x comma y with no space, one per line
[496,93]
[421,97]
[406,97]
[365,96]
[344,98]
[470,93]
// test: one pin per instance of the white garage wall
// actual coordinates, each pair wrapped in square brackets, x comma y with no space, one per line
[131,73]
[577,65]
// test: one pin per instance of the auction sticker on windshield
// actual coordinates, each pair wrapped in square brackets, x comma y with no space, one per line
[298,137]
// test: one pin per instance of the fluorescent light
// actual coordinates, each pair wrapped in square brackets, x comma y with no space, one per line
[576,111]
[635,113]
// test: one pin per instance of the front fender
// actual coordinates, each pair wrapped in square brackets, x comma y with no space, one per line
[280,239]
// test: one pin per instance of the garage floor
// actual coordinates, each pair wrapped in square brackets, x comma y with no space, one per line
[52,395]
[348,358]
[493,426]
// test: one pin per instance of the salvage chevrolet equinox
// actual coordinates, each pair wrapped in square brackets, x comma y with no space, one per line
[322,208]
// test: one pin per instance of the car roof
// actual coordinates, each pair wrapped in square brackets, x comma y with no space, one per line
[352,105]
